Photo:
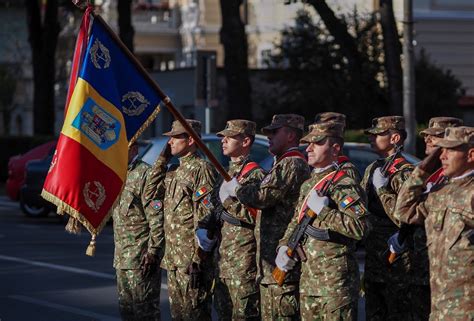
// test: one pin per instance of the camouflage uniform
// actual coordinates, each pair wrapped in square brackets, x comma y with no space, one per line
[138,229]
[188,204]
[236,294]
[329,283]
[447,213]
[276,196]
[348,167]
[387,287]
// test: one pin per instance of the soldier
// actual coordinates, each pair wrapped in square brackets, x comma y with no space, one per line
[236,294]
[329,283]
[349,168]
[188,209]
[386,287]
[276,195]
[448,215]
[431,136]
[139,243]
[418,252]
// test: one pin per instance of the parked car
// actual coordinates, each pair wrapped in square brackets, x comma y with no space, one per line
[17,164]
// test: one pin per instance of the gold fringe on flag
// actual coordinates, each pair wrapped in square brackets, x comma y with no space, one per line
[73,226]
[91,248]
[145,125]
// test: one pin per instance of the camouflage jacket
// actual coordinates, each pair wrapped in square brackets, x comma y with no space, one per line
[276,195]
[137,219]
[350,169]
[238,246]
[381,205]
[188,204]
[448,214]
[331,268]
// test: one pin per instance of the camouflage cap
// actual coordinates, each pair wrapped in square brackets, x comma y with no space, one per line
[330,116]
[285,120]
[319,131]
[457,136]
[382,124]
[177,128]
[238,126]
[437,125]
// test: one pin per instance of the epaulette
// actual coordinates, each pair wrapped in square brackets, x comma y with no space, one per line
[399,164]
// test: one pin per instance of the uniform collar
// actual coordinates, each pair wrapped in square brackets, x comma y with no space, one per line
[187,158]
[468,174]
[322,169]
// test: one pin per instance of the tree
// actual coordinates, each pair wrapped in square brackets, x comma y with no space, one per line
[234,40]
[7,89]
[392,50]
[320,77]
[126,31]
[43,30]
[437,91]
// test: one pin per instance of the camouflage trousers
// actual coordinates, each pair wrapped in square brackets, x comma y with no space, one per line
[236,299]
[279,303]
[394,301]
[139,297]
[317,308]
[188,304]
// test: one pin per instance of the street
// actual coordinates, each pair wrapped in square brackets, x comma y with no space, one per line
[46,276]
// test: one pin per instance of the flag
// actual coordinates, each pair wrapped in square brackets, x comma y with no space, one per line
[110,102]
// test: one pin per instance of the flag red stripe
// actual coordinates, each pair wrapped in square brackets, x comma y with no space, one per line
[81,44]
[74,168]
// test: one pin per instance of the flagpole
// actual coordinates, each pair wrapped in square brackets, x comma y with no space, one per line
[166,100]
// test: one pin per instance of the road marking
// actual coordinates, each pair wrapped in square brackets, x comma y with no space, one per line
[65,308]
[65,268]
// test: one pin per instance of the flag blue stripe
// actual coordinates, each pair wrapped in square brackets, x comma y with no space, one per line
[110,72]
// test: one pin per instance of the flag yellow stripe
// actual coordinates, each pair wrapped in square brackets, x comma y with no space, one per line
[116,156]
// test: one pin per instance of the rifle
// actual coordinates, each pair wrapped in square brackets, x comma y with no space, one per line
[295,249]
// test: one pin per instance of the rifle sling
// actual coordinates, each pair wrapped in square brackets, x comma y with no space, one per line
[226,216]
[327,235]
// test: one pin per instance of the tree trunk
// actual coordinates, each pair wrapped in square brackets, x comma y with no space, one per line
[234,40]
[126,31]
[392,49]
[338,30]
[43,38]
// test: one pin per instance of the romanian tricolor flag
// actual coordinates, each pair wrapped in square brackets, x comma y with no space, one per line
[110,102]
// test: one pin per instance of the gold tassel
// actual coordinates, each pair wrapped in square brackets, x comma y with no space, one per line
[91,248]
[73,226]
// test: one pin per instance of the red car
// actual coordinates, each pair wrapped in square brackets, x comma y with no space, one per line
[17,164]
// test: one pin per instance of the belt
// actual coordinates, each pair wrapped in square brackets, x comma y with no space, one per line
[327,235]
[226,216]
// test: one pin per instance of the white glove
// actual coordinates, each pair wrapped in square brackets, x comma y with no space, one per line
[223,193]
[283,261]
[394,246]
[378,180]
[316,203]
[228,189]
[203,241]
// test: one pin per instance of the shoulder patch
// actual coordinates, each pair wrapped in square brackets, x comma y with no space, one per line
[347,201]
[266,179]
[201,192]
[206,201]
[157,204]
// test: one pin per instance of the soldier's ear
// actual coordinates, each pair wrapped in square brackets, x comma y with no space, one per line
[191,141]
[395,138]
[470,155]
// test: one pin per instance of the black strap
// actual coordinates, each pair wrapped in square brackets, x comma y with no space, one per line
[327,235]
[226,216]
